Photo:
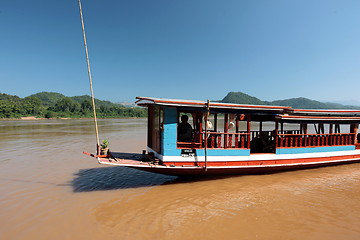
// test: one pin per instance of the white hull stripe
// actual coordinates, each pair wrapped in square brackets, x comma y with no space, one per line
[259,157]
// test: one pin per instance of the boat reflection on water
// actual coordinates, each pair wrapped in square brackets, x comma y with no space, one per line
[112,178]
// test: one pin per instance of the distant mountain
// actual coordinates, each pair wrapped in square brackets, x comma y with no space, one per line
[305,103]
[347,102]
[239,97]
[127,104]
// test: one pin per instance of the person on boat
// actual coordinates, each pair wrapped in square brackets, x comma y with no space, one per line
[269,143]
[185,130]
[262,144]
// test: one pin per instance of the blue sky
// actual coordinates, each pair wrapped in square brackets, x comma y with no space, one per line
[189,49]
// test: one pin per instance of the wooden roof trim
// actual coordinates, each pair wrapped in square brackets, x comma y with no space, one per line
[175,102]
[291,117]
[326,111]
[249,106]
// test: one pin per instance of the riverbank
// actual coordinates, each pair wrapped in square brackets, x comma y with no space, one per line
[33,118]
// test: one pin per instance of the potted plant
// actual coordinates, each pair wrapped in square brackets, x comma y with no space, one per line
[104,147]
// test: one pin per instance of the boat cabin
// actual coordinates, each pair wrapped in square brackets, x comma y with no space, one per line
[194,129]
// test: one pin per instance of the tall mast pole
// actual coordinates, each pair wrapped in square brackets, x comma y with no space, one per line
[90,79]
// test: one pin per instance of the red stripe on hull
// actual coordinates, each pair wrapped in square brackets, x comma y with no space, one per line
[179,171]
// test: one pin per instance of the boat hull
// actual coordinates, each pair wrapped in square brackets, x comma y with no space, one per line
[269,164]
[236,170]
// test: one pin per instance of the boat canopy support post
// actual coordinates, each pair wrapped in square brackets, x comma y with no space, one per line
[226,129]
[355,129]
[206,125]
[248,127]
[90,78]
[276,133]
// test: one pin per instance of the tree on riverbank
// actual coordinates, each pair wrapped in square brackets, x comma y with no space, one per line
[15,108]
[54,105]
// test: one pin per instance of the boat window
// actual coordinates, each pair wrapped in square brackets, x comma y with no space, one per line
[314,128]
[219,131]
[188,126]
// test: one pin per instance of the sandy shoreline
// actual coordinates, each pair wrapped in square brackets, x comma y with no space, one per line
[35,118]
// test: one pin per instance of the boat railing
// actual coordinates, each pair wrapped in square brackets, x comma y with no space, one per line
[285,139]
[315,140]
[270,134]
[226,140]
[223,140]
[289,131]
[241,139]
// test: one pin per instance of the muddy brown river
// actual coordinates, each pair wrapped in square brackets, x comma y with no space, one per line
[50,190]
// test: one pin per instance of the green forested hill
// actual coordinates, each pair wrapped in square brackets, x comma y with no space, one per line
[53,105]
[48,98]
[51,98]
[8,97]
[98,102]
[305,103]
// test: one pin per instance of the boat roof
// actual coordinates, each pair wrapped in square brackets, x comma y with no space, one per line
[328,119]
[281,112]
[181,103]
[326,112]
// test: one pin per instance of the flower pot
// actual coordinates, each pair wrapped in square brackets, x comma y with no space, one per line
[104,151]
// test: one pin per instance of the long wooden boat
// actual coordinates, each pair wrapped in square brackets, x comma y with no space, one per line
[240,139]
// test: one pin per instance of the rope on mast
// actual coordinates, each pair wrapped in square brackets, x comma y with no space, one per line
[90,79]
